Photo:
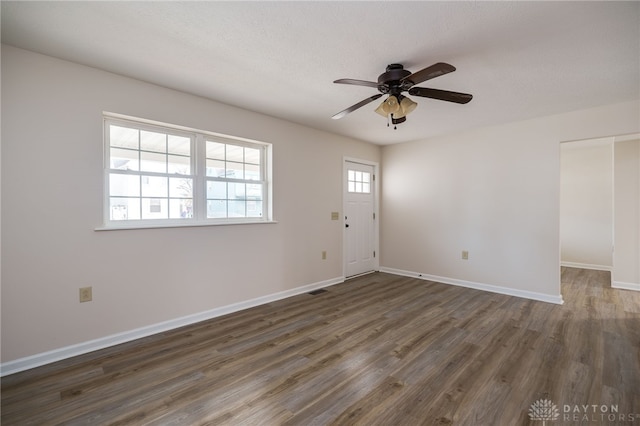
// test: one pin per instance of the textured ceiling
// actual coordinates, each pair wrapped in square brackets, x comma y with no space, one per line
[519,59]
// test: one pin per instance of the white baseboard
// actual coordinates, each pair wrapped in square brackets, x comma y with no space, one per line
[586,266]
[626,286]
[479,286]
[48,357]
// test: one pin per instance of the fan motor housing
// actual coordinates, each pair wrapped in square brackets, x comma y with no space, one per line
[389,81]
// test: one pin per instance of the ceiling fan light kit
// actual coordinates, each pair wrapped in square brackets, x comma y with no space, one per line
[394,111]
[397,80]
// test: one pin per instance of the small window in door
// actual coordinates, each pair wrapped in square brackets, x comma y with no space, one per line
[358,181]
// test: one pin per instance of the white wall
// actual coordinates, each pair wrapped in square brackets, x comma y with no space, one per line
[586,204]
[626,273]
[493,191]
[52,202]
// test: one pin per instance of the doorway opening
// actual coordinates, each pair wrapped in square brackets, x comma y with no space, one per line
[600,207]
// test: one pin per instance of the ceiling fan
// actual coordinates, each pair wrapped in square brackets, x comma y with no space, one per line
[397,80]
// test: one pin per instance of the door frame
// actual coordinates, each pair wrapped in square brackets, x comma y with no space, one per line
[376,210]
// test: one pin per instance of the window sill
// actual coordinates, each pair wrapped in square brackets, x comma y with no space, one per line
[181,225]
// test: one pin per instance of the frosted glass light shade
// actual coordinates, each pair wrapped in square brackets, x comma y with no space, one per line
[380,110]
[391,105]
[407,105]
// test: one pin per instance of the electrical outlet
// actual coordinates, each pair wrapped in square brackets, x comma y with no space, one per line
[324,255]
[86,294]
[465,255]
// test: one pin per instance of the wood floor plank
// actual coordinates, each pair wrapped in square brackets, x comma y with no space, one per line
[376,350]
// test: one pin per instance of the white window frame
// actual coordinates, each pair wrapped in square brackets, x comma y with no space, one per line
[198,174]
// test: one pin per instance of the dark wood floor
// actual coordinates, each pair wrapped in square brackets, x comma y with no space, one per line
[376,350]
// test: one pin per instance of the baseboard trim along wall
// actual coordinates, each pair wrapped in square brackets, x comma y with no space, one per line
[626,286]
[478,286]
[40,359]
[586,266]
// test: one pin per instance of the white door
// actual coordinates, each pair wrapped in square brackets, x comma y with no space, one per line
[359,218]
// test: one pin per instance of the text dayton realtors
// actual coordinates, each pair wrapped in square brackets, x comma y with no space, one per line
[596,413]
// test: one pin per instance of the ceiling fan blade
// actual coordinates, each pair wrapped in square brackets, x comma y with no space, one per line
[435,70]
[357,82]
[443,95]
[356,106]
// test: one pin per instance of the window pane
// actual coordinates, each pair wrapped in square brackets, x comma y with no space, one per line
[358,176]
[366,176]
[154,186]
[235,170]
[237,209]
[215,168]
[215,150]
[179,164]
[236,191]
[235,153]
[352,187]
[123,159]
[180,188]
[155,208]
[254,208]
[179,145]
[124,208]
[351,175]
[123,137]
[366,188]
[254,191]
[216,190]
[124,185]
[216,208]
[180,209]
[252,172]
[252,156]
[151,162]
[358,187]
[152,141]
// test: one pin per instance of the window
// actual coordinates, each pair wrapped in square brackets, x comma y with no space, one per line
[158,175]
[358,181]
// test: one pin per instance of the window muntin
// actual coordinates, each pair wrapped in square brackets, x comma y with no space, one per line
[152,176]
[358,182]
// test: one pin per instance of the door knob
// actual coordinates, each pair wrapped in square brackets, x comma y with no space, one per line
[346,225]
